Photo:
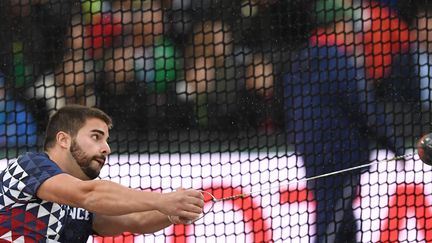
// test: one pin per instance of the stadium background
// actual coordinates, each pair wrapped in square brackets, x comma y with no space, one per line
[196,92]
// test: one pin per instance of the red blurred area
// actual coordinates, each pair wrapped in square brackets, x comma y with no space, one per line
[99,34]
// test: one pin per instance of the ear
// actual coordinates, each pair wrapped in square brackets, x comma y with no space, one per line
[64,140]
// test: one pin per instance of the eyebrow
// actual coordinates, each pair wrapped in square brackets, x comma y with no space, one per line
[98,131]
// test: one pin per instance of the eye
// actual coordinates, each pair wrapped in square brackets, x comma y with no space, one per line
[95,137]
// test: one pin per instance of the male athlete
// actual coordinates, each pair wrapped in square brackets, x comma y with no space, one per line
[51,196]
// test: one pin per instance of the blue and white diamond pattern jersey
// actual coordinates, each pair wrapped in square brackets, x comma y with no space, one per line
[26,218]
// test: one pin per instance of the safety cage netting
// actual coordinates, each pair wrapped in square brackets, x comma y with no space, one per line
[234,97]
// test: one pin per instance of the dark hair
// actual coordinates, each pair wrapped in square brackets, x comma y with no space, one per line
[70,119]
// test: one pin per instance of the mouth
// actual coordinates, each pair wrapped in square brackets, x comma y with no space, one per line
[100,161]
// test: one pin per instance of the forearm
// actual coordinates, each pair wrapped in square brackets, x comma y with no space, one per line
[140,223]
[109,198]
[150,222]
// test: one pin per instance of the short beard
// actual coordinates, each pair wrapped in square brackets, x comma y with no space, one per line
[83,161]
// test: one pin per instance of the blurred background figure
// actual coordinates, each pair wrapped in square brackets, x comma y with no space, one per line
[104,42]
[209,44]
[116,54]
[143,30]
[333,119]
[220,75]
[335,111]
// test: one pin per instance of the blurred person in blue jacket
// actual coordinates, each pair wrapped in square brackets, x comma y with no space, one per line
[331,113]
[17,125]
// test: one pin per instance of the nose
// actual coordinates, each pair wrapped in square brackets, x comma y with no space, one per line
[106,150]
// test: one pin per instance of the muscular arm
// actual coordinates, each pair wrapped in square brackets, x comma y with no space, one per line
[109,198]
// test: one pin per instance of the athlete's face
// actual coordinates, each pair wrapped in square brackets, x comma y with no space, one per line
[90,147]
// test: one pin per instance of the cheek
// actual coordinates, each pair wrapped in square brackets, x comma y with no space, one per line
[89,147]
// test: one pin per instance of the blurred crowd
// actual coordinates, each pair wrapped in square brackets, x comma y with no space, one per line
[208,64]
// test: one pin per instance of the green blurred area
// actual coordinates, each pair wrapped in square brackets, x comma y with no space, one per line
[329,11]
[167,63]
[22,71]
